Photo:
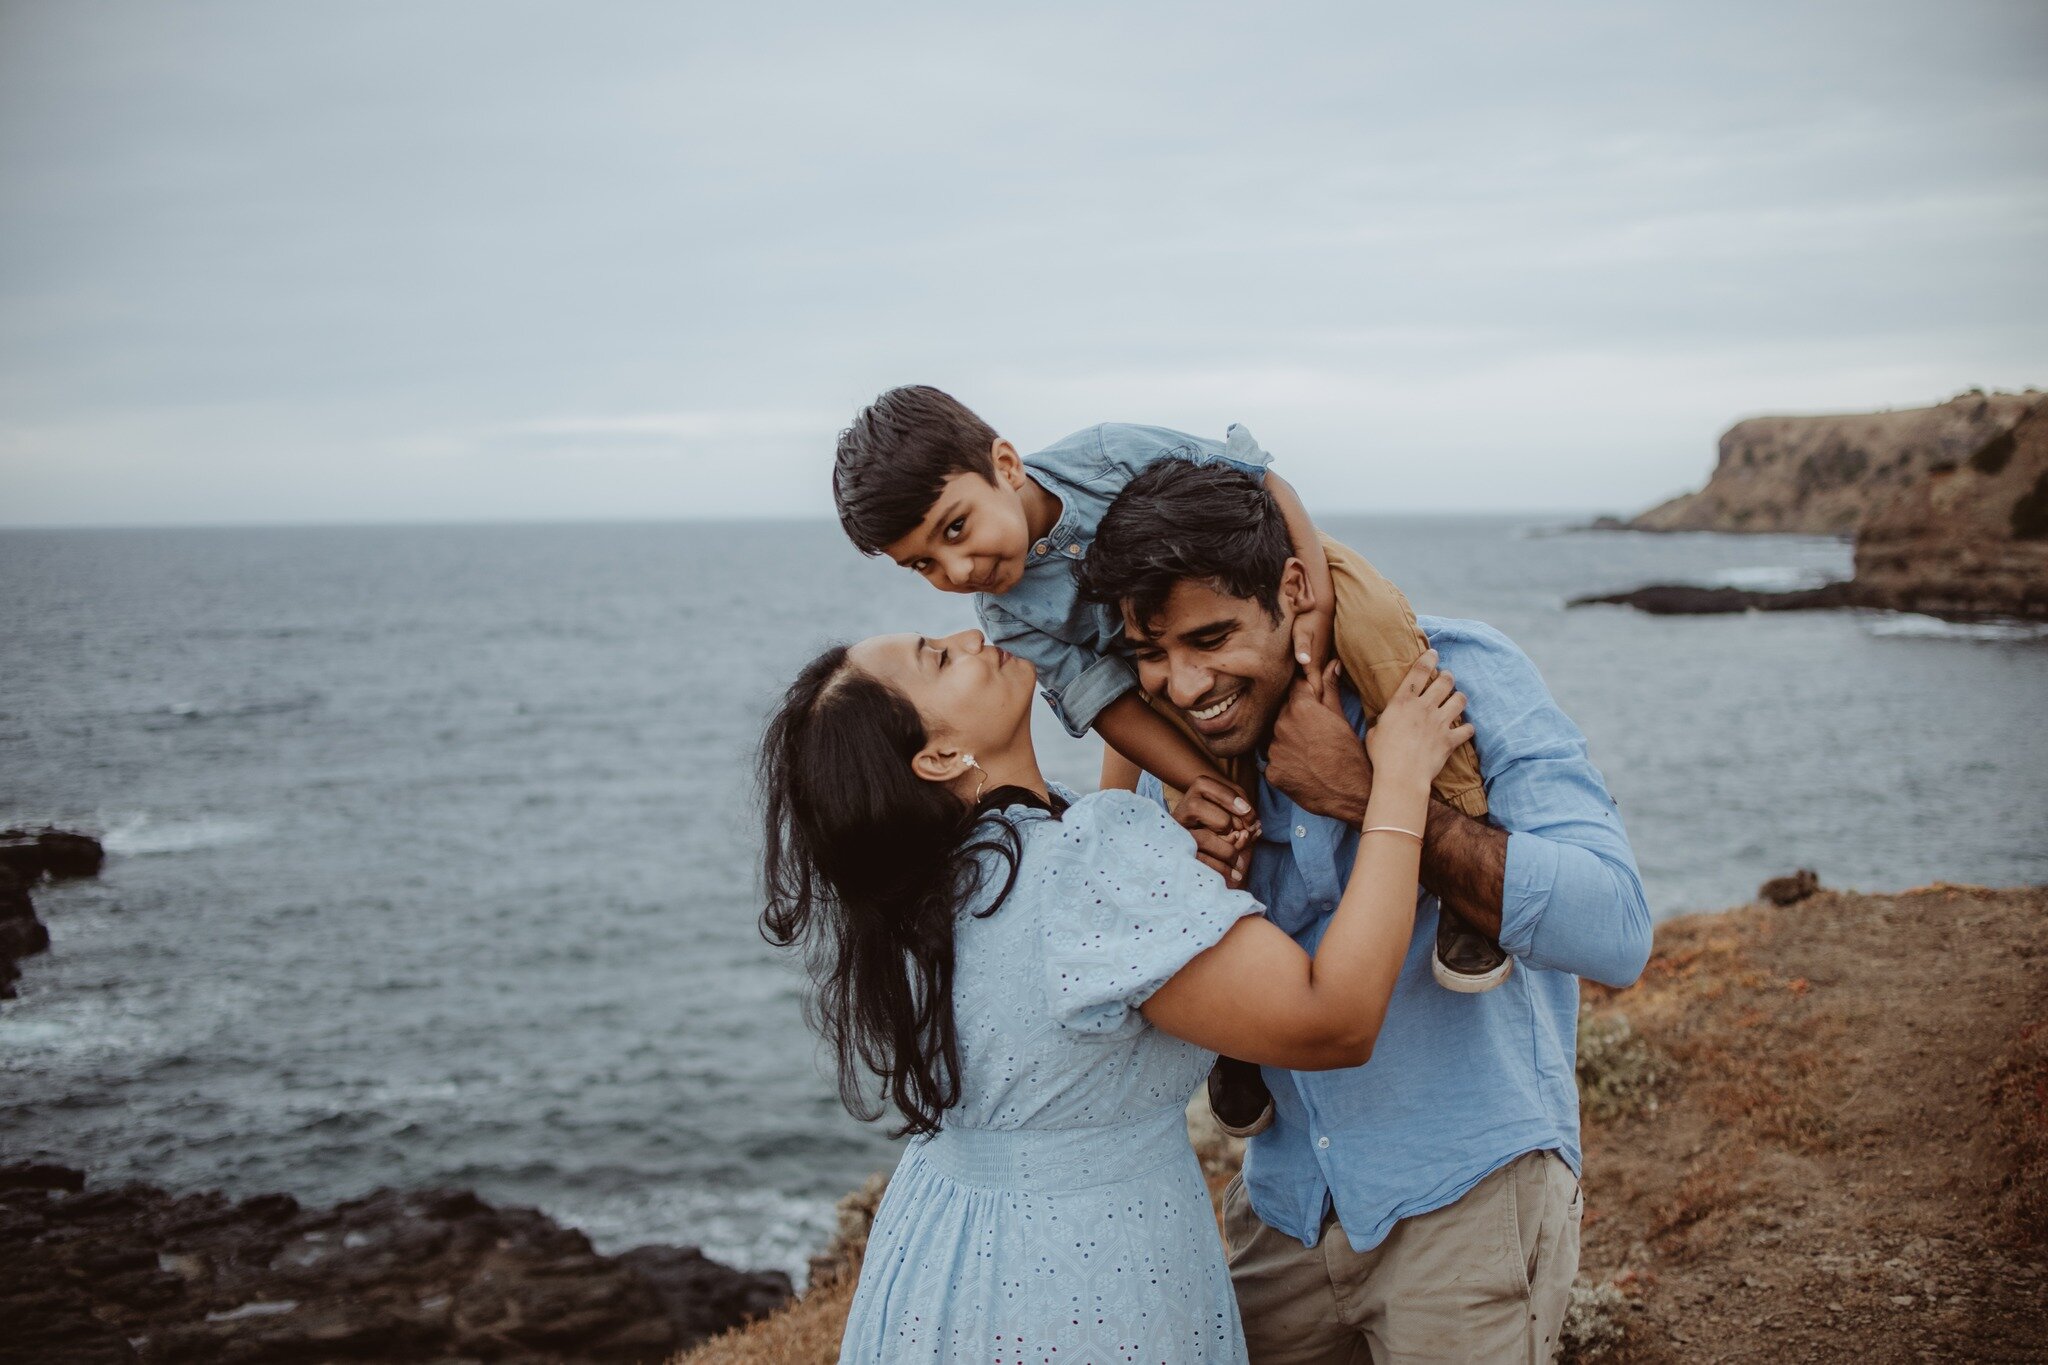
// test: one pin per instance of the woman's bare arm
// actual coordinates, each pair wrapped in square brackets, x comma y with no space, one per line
[1256,994]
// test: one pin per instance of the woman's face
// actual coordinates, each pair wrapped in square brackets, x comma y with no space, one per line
[974,697]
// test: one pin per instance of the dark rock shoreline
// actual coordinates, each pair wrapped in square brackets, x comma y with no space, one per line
[28,856]
[131,1273]
[1682,599]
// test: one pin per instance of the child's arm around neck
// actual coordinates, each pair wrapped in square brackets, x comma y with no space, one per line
[1211,807]
[1314,627]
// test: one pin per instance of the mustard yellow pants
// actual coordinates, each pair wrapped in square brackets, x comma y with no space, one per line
[1377,641]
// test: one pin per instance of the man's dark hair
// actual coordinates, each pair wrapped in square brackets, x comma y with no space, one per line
[897,455]
[1209,522]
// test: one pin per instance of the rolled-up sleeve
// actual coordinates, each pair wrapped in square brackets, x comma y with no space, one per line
[1573,899]
[1078,683]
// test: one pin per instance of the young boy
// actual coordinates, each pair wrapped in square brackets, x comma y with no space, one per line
[920,478]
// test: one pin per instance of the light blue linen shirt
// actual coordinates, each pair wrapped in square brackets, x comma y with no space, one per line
[1069,641]
[1458,1085]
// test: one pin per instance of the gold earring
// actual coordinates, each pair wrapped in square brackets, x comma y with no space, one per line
[983,785]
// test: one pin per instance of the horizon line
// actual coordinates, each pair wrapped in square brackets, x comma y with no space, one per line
[737,518]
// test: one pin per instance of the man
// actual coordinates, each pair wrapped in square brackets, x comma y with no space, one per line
[1424,1206]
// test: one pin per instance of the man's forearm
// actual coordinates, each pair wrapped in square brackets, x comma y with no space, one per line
[1465,864]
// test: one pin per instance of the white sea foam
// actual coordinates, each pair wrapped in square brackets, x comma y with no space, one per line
[132,835]
[756,1229]
[1908,625]
[1766,578]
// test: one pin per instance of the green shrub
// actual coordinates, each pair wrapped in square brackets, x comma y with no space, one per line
[1618,1070]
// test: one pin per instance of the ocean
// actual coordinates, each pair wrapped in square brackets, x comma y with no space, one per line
[432,854]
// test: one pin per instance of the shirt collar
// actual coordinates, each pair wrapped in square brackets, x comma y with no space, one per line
[1065,541]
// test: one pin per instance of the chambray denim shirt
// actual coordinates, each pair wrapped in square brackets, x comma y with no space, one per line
[1043,619]
[1458,1085]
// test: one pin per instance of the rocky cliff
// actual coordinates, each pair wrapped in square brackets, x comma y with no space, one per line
[1827,475]
[1966,539]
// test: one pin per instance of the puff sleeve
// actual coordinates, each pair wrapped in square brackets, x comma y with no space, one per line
[1128,906]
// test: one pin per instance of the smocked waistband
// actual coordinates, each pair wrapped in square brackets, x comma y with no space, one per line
[1046,1160]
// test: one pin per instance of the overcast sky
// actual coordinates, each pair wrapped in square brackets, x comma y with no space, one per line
[280,262]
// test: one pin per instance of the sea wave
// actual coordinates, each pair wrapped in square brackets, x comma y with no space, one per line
[1911,626]
[139,834]
[190,712]
[1767,578]
[757,1229]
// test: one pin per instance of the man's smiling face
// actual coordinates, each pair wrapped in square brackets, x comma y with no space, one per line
[1223,662]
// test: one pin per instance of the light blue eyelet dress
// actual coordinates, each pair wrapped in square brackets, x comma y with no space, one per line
[1060,1216]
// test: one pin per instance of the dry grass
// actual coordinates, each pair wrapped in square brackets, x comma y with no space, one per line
[805,1333]
[2019,1118]
[1818,1180]
[1820,1132]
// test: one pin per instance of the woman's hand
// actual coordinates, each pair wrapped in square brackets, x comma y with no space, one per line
[1422,725]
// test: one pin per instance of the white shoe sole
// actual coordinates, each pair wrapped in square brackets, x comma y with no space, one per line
[1465,984]
[1256,1127]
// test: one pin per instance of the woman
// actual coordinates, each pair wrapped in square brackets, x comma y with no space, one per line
[1039,983]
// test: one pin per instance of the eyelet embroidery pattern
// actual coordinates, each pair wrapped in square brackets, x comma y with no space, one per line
[1062,1217]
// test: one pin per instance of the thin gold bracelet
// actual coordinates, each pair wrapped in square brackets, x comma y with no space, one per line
[1391,829]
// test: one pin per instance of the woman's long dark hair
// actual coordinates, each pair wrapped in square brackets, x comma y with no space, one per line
[866,866]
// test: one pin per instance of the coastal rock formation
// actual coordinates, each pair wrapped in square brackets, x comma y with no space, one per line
[1827,475]
[130,1273]
[1969,539]
[1790,890]
[21,933]
[33,854]
[1686,599]
[26,857]
[1965,538]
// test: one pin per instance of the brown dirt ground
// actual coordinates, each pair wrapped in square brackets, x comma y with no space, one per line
[1846,1156]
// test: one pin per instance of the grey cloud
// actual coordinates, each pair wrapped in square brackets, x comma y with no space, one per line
[270,259]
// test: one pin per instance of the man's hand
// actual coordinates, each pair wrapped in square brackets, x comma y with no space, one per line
[1315,757]
[1221,819]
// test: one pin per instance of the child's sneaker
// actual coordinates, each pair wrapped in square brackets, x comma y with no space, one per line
[1239,1099]
[1466,960]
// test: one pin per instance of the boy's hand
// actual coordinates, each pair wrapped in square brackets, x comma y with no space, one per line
[1223,823]
[1313,638]
[1315,757]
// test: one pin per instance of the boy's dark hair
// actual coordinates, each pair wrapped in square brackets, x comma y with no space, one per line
[1176,520]
[897,455]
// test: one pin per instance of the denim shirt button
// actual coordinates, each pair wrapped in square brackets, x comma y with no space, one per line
[1074,550]
[1323,1142]
[1301,831]
[1040,548]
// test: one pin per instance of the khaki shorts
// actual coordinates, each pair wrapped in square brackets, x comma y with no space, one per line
[1485,1279]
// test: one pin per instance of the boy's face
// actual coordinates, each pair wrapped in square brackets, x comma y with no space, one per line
[975,537]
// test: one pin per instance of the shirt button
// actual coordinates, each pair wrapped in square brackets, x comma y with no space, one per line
[1040,548]
[1322,1142]
[1301,831]
[1073,549]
